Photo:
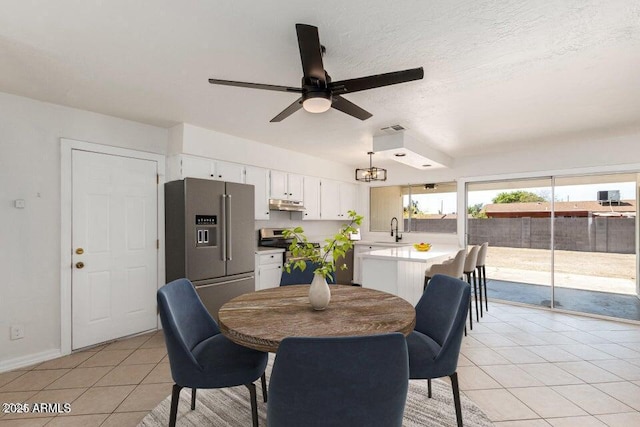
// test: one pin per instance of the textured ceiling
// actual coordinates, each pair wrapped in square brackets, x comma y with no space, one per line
[496,72]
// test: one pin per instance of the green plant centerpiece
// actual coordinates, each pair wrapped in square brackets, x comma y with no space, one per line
[324,258]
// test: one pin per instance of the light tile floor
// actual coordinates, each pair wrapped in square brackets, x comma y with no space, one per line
[531,367]
[115,384]
[522,366]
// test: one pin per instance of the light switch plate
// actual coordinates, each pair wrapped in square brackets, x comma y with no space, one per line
[19,203]
[17,331]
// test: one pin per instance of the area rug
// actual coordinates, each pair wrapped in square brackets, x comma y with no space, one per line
[230,407]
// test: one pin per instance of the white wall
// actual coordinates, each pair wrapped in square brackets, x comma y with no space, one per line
[30,133]
[558,156]
[216,145]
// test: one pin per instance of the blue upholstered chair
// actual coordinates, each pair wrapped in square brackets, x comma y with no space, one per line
[297,277]
[199,355]
[434,345]
[454,268]
[339,381]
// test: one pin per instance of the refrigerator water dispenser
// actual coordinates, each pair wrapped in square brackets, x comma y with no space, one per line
[206,230]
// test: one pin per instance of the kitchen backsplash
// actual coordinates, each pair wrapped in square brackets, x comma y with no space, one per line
[316,231]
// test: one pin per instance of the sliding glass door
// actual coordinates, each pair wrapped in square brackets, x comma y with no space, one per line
[595,233]
[515,218]
[568,243]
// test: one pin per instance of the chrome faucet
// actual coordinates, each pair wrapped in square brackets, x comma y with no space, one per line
[398,235]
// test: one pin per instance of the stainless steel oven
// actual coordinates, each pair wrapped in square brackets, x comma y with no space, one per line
[274,238]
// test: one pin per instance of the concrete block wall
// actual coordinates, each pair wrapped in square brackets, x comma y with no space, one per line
[540,237]
[583,234]
[600,233]
[446,225]
[621,235]
[575,234]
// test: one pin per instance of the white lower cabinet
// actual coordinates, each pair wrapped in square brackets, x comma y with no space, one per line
[268,269]
[357,261]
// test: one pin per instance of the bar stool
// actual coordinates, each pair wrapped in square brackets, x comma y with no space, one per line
[452,267]
[482,275]
[469,271]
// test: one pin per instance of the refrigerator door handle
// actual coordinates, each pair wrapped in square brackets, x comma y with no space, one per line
[224,227]
[228,228]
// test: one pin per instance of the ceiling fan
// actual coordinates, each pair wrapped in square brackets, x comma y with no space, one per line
[317,92]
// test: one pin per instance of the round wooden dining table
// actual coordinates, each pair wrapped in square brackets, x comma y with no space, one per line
[262,319]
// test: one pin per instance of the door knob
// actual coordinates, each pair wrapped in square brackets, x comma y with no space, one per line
[79,251]
[79,264]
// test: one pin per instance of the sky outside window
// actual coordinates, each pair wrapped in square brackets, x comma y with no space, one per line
[446,203]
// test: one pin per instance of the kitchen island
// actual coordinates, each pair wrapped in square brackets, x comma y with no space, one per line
[400,270]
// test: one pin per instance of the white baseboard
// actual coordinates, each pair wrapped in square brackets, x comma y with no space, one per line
[30,359]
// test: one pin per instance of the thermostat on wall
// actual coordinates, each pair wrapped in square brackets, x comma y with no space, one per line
[19,203]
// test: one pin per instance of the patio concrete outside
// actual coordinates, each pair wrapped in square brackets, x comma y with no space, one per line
[595,271]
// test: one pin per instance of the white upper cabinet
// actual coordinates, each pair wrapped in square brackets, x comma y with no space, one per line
[311,198]
[200,167]
[348,198]
[279,188]
[295,186]
[230,172]
[259,178]
[197,167]
[286,186]
[330,199]
[323,199]
[337,199]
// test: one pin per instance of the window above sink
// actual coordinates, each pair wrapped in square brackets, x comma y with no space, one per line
[424,208]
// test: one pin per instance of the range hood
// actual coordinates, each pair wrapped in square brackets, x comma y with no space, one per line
[286,205]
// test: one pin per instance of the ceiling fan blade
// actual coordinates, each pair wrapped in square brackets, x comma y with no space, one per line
[379,80]
[310,51]
[255,85]
[288,111]
[348,107]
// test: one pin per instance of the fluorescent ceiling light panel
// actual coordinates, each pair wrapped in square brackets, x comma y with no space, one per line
[409,150]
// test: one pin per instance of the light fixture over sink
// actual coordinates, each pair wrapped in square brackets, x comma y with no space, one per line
[371,173]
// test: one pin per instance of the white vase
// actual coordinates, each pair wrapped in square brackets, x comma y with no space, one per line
[319,292]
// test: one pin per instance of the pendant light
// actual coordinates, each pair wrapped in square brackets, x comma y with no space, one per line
[371,173]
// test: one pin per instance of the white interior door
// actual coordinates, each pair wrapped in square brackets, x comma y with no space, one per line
[114,235]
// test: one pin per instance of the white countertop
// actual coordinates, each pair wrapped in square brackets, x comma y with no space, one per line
[409,253]
[262,250]
[385,244]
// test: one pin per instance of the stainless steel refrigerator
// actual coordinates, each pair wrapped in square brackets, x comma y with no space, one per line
[209,231]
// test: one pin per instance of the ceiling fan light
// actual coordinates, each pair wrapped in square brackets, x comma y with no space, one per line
[316,104]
